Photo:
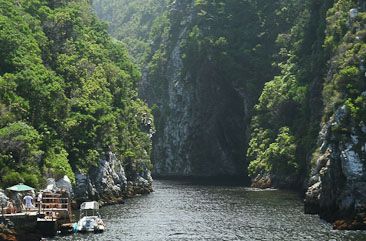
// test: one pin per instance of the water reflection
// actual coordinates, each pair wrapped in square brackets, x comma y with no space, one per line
[181,211]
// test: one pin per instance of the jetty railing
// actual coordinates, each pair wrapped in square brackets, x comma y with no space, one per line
[55,205]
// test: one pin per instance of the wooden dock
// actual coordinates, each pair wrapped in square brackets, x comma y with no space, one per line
[53,205]
[48,215]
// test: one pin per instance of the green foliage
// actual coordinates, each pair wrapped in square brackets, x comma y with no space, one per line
[281,101]
[277,158]
[237,38]
[285,125]
[67,92]
[259,143]
[136,23]
[57,164]
[20,154]
[281,154]
[21,141]
[345,84]
[229,43]
[295,61]
[357,108]
[346,81]
[343,47]
[12,178]
[337,23]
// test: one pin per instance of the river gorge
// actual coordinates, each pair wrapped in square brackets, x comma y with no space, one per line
[103,95]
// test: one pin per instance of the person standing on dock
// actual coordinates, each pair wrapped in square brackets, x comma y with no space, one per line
[39,200]
[28,202]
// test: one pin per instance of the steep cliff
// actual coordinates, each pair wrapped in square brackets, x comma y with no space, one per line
[252,84]
[321,89]
[337,186]
[203,73]
[199,116]
[285,124]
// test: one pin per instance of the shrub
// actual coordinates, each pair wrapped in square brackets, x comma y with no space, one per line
[57,165]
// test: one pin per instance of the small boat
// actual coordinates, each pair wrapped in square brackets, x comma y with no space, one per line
[90,220]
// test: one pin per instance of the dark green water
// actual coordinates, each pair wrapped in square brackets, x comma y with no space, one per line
[182,211]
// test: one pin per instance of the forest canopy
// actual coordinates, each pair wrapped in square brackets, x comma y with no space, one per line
[67,93]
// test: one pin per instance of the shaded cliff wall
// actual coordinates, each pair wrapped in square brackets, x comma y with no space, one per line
[201,116]
[202,74]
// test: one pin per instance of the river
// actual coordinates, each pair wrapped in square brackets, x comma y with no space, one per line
[183,211]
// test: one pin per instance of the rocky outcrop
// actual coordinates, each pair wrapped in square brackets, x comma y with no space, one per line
[108,183]
[337,187]
[65,184]
[61,184]
[262,181]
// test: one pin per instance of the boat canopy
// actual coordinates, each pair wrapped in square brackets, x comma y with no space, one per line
[89,206]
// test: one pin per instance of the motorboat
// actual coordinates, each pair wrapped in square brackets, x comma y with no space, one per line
[90,220]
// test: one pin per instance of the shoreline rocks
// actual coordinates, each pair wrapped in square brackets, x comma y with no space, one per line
[108,182]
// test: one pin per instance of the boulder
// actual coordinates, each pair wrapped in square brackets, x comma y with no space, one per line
[51,184]
[65,184]
[262,181]
[84,190]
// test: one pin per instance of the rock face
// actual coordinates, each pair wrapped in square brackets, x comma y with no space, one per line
[108,182]
[202,119]
[337,188]
[65,184]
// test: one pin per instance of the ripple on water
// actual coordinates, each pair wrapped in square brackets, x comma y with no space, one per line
[181,211]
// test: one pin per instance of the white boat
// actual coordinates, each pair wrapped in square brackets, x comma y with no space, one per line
[90,220]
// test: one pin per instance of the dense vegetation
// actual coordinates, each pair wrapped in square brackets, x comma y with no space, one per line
[304,95]
[291,102]
[272,71]
[67,93]
[135,23]
[239,38]
[231,46]
[236,38]
[313,52]
[345,84]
